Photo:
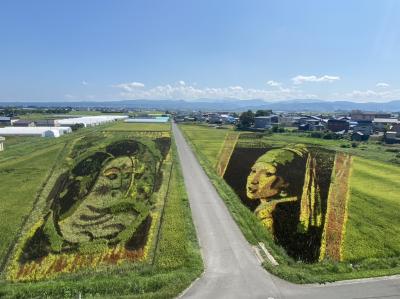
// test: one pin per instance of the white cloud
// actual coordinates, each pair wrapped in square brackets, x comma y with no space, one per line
[193,92]
[129,87]
[181,82]
[84,82]
[371,95]
[382,84]
[274,83]
[300,79]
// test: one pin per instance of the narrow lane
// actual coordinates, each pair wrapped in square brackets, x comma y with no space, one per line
[231,267]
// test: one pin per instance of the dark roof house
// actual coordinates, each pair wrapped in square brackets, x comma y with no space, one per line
[45,123]
[336,125]
[23,123]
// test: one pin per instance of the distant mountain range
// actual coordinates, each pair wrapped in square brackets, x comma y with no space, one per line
[222,105]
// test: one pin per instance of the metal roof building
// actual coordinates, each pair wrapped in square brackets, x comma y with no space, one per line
[52,132]
[157,119]
[89,121]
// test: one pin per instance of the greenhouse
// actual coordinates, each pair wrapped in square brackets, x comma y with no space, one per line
[50,132]
[89,121]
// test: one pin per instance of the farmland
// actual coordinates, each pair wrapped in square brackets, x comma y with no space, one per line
[20,182]
[208,139]
[98,224]
[123,126]
[373,229]
[377,206]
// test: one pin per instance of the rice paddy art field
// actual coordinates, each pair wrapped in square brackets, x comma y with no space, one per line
[324,214]
[100,212]
[97,224]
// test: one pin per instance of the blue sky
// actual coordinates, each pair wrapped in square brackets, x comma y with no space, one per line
[169,49]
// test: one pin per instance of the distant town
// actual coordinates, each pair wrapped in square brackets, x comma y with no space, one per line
[355,125]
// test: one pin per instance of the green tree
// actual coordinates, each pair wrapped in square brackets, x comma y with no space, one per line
[263,112]
[246,119]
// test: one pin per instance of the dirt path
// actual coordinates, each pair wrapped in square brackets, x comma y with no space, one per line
[337,208]
[226,152]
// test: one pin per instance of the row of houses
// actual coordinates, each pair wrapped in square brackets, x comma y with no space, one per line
[345,124]
[217,118]
[358,124]
[393,134]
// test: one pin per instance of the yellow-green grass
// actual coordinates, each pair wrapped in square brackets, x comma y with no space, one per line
[373,226]
[123,126]
[207,140]
[172,251]
[22,147]
[20,184]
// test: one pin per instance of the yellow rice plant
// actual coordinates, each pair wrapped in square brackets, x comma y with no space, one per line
[305,198]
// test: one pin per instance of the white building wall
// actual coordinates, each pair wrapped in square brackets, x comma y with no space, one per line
[34,131]
[89,121]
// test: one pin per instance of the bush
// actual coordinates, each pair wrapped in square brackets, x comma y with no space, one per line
[76,127]
[393,150]
[316,134]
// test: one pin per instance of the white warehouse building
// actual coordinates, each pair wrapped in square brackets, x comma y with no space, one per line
[2,139]
[89,121]
[50,132]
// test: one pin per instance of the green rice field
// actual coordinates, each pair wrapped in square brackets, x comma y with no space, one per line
[20,183]
[373,226]
[208,140]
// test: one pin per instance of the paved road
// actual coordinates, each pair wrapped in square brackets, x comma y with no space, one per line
[231,267]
